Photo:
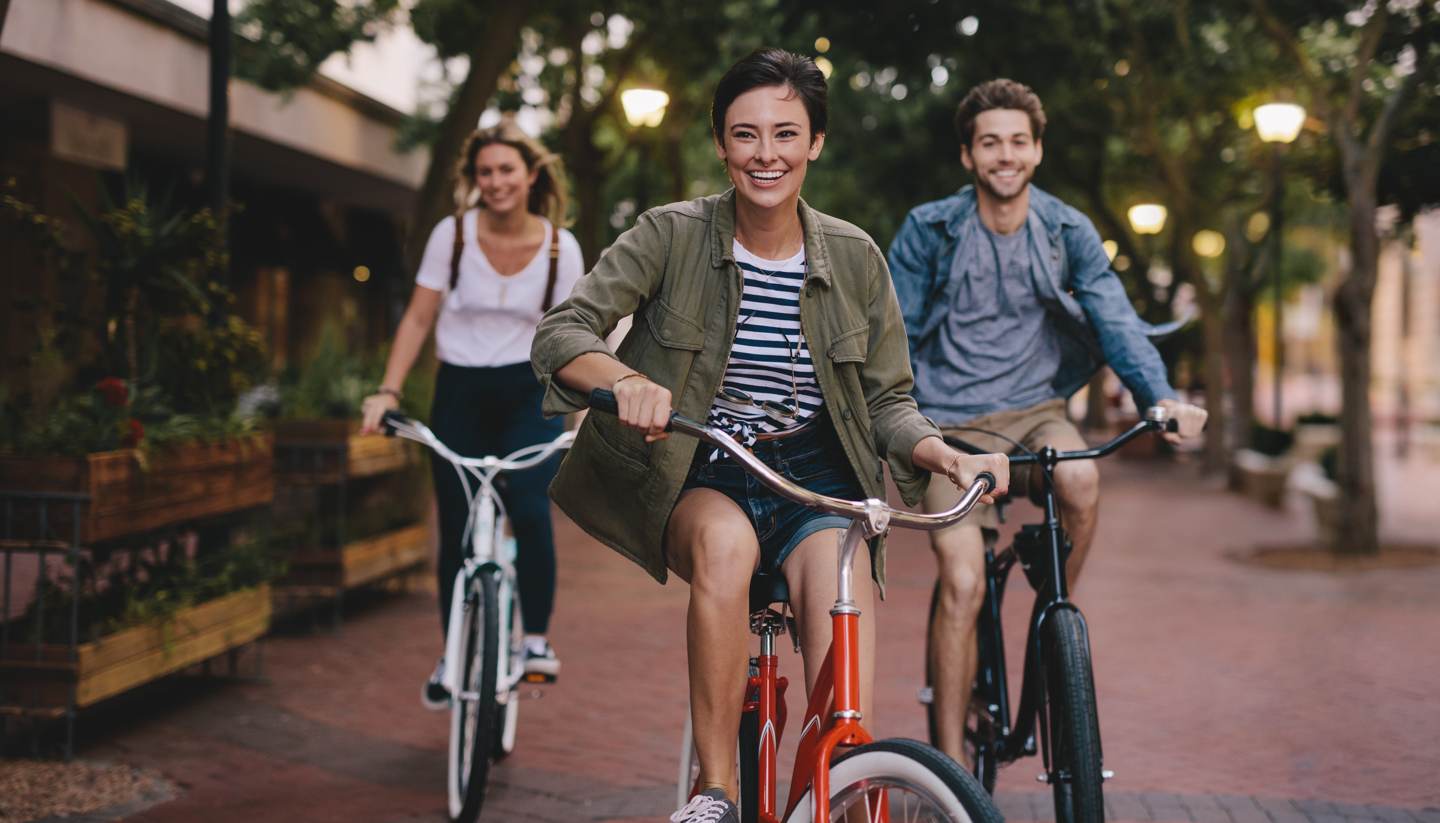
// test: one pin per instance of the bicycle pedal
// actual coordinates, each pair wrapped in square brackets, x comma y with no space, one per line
[539,677]
[926,696]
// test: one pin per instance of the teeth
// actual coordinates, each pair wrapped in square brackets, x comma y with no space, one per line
[766,175]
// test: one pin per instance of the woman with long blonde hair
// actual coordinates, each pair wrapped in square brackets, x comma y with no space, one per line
[490,271]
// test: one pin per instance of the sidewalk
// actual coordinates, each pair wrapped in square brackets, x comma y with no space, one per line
[1227,691]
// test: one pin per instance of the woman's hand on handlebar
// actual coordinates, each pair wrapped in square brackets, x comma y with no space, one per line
[962,469]
[932,454]
[643,405]
[1190,420]
[373,408]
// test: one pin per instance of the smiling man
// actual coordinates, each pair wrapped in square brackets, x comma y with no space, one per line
[1010,305]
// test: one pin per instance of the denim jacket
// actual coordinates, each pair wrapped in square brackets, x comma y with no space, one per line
[1097,324]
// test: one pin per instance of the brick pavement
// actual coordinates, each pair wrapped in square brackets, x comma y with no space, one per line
[1227,692]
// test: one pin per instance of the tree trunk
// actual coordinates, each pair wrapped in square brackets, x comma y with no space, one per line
[1239,332]
[1359,526]
[490,57]
[1212,322]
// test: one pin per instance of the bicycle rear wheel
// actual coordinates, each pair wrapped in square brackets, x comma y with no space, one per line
[1074,727]
[915,782]
[473,711]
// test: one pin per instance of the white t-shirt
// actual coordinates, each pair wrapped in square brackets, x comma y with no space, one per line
[490,318]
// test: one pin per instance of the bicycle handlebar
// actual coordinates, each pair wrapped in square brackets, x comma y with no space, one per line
[873,511]
[396,424]
[1157,419]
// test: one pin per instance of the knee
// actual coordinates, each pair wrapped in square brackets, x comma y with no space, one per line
[1078,485]
[962,585]
[722,560]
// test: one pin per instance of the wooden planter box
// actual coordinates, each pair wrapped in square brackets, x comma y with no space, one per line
[131,657]
[361,562]
[1261,476]
[332,451]
[179,484]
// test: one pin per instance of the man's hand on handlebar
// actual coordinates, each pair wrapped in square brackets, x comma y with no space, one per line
[643,405]
[1189,419]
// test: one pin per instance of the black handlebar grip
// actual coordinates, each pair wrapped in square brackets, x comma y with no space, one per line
[988,479]
[604,400]
[1172,425]
[390,420]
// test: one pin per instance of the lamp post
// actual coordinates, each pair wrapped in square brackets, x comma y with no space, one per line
[644,109]
[1278,124]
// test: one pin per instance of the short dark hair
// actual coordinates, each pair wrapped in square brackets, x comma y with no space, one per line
[999,93]
[772,67]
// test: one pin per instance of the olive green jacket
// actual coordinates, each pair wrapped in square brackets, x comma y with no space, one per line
[675,271]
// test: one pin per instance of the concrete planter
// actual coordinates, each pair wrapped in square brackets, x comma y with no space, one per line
[1310,480]
[1261,476]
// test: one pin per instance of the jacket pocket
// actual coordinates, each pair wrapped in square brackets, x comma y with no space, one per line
[672,329]
[851,346]
[618,448]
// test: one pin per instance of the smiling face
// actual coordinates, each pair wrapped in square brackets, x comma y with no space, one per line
[1003,153]
[767,145]
[503,179]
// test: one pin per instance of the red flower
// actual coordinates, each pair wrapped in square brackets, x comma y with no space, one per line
[134,433]
[114,390]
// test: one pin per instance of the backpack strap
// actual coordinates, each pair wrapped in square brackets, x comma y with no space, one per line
[554,269]
[455,252]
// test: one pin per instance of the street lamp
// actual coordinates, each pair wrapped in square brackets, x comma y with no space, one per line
[1147,218]
[644,109]
[1278,124]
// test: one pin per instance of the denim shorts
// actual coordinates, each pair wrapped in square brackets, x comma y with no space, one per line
[812,458]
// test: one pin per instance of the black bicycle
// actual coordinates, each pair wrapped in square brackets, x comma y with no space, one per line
[1057,694]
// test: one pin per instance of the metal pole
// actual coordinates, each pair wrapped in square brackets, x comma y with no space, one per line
[1277,229]
[217,134]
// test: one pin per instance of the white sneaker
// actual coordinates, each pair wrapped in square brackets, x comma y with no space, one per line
[541,664]
[709,806]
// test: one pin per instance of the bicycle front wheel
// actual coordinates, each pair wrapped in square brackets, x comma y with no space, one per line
[473,711]
[901,780]
[1074,740]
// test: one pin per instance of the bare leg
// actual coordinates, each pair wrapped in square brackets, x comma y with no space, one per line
[711,545]
[960,554]
[1077,484]
[810,571]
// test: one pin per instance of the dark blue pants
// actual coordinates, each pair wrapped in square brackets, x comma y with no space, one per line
[494,411]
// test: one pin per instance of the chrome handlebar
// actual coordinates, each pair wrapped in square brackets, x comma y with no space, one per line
[875,514]
[399,425]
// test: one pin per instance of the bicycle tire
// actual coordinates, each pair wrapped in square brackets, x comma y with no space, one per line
[979,731]
[943,791]
[1074,738]
[472,721]
[507,714]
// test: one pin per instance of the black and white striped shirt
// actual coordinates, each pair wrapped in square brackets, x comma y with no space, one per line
[769,359]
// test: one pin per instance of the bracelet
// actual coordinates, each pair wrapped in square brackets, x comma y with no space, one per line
[395,393]
[625,377]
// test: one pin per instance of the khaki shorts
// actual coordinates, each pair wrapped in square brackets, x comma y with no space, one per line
[1041,425]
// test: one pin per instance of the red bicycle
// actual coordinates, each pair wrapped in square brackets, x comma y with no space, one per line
[885,780]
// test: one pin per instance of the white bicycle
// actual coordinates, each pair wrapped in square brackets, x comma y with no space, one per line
[484,652]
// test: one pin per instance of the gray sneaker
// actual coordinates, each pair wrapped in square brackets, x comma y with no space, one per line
[709,806]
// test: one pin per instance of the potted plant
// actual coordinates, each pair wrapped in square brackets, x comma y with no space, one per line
[1260,471]
[141,419]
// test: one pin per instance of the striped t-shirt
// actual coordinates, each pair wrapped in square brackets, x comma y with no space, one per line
[769,360]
